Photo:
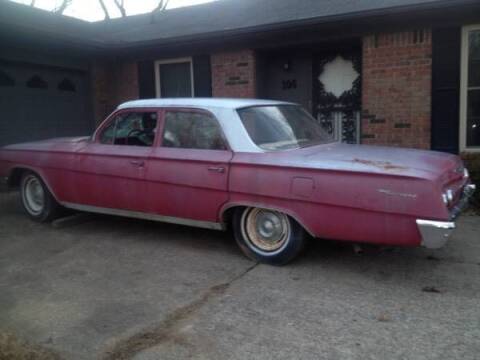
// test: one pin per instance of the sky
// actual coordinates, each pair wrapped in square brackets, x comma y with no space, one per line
[90,10]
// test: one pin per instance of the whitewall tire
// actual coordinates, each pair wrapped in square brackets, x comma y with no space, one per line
[268,236]
[37,201]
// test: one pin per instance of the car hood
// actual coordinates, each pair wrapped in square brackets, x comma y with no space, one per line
[371,159]
[47,144]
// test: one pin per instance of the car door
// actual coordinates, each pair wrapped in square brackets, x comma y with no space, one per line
[111,168]
[188,171]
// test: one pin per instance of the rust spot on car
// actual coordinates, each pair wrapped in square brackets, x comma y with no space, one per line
[385,165]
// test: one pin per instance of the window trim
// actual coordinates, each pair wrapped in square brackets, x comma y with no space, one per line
[190,110]
[97,136]
[158,91]
[36,77]
[464,89]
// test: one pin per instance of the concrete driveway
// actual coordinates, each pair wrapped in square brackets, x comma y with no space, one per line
[113,288]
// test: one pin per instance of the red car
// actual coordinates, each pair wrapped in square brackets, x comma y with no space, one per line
[266,168]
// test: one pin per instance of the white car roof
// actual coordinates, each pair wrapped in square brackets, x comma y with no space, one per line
[223,109]
[224,103]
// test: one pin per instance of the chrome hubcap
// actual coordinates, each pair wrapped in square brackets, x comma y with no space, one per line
[265,229]
[33,195]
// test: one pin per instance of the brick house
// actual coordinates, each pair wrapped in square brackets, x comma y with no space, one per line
[400,72]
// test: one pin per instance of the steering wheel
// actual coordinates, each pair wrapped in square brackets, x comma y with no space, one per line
[137,132]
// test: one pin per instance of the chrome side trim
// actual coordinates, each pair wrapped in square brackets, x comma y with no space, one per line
[145,216]
[435,234]
[392,193]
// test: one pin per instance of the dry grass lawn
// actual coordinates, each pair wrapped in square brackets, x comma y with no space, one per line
[12,348]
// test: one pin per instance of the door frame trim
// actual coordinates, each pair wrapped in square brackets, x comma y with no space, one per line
[158,91]
[464,89]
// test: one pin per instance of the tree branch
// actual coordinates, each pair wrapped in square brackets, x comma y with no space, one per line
[62,7]
[105,10]
[121,7]
[162,4]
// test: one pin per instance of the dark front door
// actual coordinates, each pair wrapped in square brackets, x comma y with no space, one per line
[337,93]
[287,76]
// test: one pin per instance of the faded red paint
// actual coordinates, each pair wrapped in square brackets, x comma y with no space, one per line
[356,193]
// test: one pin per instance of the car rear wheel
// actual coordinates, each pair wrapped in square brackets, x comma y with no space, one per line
[37,201]
[268,236]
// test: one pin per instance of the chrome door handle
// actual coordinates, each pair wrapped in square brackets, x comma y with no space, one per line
[138,163]
[216,169]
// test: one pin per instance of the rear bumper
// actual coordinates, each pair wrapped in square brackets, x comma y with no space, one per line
[435,234]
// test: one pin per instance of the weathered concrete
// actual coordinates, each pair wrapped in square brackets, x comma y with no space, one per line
[126,289]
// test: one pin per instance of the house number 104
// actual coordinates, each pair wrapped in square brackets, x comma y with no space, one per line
[289,84]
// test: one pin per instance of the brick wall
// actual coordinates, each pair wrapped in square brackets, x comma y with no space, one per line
[396,89]
[114,83]
[233,74]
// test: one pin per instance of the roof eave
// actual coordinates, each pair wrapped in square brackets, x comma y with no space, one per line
[418,11]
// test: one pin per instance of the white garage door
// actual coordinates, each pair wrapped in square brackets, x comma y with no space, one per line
[39,102]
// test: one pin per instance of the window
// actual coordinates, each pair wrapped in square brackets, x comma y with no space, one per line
[192,130]
[282,127]
[134,129]
[470,90]
[36,82]
[66,85]
[174,78]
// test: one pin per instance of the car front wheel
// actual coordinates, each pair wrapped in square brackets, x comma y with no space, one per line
[37,201]
[268,236]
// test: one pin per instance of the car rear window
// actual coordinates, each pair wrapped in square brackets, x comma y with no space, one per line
[282,127]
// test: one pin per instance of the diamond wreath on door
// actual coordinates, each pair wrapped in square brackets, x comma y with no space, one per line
[339,98]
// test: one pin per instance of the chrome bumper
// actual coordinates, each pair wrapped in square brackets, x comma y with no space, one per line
[435,234]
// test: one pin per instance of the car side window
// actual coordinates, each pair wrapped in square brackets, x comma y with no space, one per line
[192,130]
[108,134]
[133,128]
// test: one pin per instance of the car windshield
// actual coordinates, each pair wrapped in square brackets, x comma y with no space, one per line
[282,127]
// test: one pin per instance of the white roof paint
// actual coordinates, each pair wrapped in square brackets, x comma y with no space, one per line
[223,109]
[202,103]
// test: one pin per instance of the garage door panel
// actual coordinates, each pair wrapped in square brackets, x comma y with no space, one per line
[11,115]
[43,103]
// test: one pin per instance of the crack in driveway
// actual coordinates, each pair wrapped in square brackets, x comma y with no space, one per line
[168,328]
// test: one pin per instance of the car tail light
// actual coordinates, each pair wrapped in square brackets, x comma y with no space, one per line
[445,199]
[448,197]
